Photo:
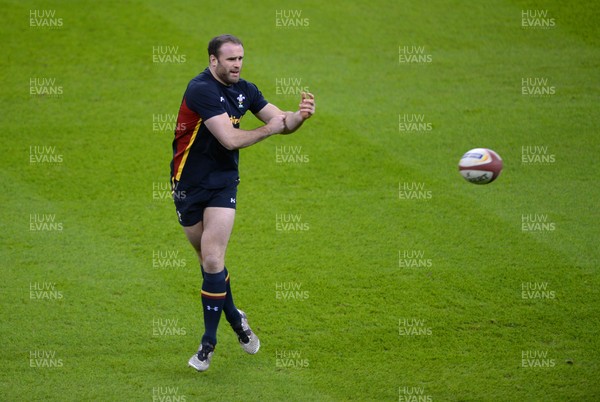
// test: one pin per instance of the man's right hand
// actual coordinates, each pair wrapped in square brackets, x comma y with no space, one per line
[277,124]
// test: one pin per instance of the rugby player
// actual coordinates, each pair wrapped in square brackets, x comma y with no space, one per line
[204,176]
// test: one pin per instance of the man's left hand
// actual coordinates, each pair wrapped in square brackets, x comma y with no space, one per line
[307,105]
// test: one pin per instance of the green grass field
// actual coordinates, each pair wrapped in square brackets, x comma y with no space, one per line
[401,281]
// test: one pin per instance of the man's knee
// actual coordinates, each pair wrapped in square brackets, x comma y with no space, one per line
[213,263]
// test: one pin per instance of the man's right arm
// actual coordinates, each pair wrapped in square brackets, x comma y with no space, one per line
[234,138]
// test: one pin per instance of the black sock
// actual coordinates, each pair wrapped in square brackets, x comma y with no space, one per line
[214,292]
[231,313]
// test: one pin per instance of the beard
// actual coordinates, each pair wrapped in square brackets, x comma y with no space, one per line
[228,76]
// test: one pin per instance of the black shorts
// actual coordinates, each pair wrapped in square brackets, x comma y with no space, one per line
[190,204]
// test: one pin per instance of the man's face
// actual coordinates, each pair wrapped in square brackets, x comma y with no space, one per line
[228,66]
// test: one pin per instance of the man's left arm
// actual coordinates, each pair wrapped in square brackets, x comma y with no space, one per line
[293,120]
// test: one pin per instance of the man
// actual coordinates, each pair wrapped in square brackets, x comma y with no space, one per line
[204,175]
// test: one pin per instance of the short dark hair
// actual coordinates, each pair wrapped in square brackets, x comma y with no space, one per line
[214,46]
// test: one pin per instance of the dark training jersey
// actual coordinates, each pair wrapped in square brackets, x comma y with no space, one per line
[199,159]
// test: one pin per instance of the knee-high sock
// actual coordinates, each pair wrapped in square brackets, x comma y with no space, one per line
[214,292]
[231,313]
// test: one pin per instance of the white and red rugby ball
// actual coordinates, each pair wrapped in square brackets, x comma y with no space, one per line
[480,166]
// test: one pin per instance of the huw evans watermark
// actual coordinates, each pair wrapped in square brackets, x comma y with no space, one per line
[413,394]
[290,291]
[45,86]
[537,87]
[413,191]
[167,54]
[161,190]
[44,291]
[166,122]
[536,155]
[45,19]
[413,123]
[290,223]
[411,54]
[537,223]
[290,359]
[290,86]
[167,394]
[291,19]
[167,327]
[413,327]
[45,154]
[44,359]
[290,154]
[536,290]
[537,19]
[413,259]
[44,223]
[168,259]
[536,359]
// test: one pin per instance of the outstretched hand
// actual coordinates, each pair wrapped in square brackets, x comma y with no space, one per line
[307,105]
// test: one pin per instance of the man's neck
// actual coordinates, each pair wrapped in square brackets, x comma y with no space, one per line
[217,78]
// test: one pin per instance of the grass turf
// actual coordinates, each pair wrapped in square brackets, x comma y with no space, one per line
[120,327]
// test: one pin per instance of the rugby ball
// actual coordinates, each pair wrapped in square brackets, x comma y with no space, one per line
[480,166]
